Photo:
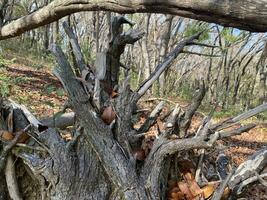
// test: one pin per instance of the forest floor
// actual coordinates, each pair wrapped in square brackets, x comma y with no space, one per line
[43,94]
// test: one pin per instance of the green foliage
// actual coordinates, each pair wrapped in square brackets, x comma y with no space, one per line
[186,92]
[5,83]
[5,62]
[60,92]
[230,112]
[195,27]
[227,34]
[29,53]
[49,88]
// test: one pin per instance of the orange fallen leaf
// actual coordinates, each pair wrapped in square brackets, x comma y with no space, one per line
[194,188]
[114,94]
[23,138]
[5,135]
[208,190]
[183,186]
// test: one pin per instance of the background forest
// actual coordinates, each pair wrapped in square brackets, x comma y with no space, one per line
[218,76]
[227,59]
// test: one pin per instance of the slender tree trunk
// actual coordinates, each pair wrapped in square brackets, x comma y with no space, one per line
[165,38]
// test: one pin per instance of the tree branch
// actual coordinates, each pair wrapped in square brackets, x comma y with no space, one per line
[232,121]
[247,169]
[164,65]
[247,15]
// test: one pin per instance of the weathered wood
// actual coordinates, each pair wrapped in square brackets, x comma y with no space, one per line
[232,121]
[99,135]
[151,120]
[60,120]
[11,179]
[185,122]
[246,14]
[255,163]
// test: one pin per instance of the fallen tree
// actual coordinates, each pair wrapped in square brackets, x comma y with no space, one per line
[246,15]
[106,157]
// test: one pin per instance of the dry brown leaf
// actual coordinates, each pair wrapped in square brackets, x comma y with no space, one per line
[188,176]
[108,115]
[114,94]
[226,193]
[5,135]
[208,190]
[183,186]
[139,154]
[177,196]
[187,166]
[23,138]
[172,184]
[194,188]
[172,193]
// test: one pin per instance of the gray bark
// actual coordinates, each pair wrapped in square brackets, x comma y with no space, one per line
[247,15]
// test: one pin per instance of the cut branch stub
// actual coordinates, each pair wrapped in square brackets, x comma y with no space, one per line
[186,120]
[151,120]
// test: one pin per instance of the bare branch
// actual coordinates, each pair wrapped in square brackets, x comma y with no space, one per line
[248,15]
[219,192]
[164,65]
[232,121]
[196,102]
[60,120]
[237,131]
[204,45]
[247,169]
[11,180]
[200,54]
[151,120]
[76,47]
[248,181]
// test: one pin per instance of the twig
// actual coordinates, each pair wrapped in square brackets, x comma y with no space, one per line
[151,120]
[9,147]
[219,192]
[261,180]
[160,99]
[205,45]
[248,181]
[237,131]
[199,166]
[164,65]
[200,54]
[31,147]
